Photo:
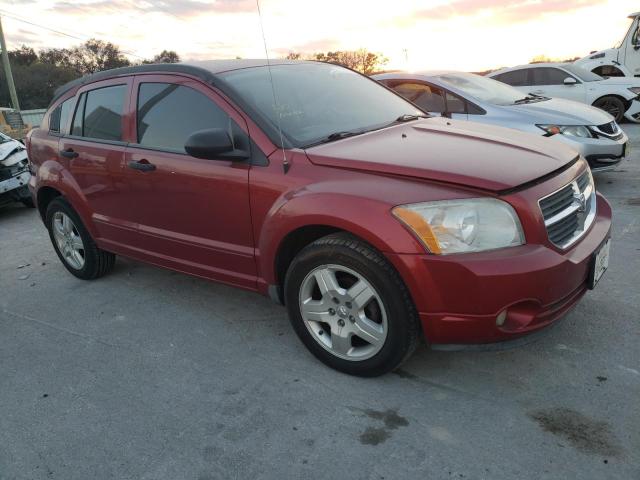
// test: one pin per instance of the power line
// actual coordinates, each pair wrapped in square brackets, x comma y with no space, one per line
[83,38]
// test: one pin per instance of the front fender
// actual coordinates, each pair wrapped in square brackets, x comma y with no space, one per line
[52,174]
[369,219]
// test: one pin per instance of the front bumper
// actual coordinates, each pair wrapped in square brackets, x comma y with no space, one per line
[633,112]
[15,189]
[460,297]
[601,153]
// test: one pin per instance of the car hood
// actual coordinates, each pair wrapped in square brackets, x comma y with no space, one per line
[558,111]
[451,151]
[7,150]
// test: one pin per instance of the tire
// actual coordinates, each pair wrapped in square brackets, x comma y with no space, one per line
[386,325]
[88,262]
[612,105]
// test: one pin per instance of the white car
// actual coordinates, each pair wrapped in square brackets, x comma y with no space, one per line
[14,172]
[618,96]
[619,61]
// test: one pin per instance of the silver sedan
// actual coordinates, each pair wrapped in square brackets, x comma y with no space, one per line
[590,131]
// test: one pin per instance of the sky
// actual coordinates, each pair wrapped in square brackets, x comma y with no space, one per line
[471,35]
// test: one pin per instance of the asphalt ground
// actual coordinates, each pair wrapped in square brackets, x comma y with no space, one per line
[150,374]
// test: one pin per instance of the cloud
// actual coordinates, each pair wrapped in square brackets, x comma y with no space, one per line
[518,11]
[23,37]
[176,8]
[312,46]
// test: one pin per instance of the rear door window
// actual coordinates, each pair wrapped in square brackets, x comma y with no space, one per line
[515,78]
[455,104]
[99,113]
[168,114]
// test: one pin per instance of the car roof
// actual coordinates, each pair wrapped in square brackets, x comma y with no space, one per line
[530,65]
[207,71]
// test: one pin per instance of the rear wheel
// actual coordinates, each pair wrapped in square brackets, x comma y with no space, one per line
[350,307]
[612,105]
[73,243]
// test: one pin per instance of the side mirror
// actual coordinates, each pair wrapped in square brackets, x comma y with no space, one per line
[213,144]
[570,81]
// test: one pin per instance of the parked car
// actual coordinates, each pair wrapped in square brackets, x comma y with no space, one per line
[619,61]
[590,131]
[617,96]
[326,191]
[14,172]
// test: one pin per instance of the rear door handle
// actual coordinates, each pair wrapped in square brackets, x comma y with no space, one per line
[142,165]
[69,153]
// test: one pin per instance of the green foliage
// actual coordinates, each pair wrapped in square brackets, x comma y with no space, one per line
[38,74]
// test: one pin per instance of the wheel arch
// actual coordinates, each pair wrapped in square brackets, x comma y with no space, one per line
[626,102]
[284,234]
[52,181]
[45,196]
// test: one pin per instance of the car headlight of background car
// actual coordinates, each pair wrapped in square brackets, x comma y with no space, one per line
[571,130]
[459,226]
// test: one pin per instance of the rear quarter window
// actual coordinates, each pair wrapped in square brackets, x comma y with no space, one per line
[60,116]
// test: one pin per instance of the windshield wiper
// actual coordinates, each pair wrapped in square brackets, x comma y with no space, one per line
[531,97]
[332,137]
[408,117]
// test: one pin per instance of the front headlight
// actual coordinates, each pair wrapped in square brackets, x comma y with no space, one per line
[572,130]
[460,226]
[635,90]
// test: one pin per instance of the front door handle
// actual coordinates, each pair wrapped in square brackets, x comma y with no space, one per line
[142,165]
[69,153]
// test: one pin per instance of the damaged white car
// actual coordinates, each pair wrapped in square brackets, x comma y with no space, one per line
[14,172]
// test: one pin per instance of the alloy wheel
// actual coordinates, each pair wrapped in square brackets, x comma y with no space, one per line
[68,240]
[343,312]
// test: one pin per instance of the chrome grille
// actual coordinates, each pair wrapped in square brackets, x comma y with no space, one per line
[610,130]
[569,212]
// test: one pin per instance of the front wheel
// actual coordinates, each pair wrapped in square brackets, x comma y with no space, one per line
[612,105]
[350,307]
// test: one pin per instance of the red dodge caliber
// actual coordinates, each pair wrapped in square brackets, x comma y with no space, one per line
[374,224]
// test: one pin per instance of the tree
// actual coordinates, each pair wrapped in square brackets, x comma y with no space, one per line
[35,83]
[166,56]
[23,56]
[38,74]
[96,56]
[361,60]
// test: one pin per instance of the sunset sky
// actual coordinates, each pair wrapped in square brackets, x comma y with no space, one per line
[413,34]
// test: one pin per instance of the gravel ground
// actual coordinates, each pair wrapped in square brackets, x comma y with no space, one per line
[150,374]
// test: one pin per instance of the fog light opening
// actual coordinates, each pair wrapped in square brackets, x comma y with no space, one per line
[502,316]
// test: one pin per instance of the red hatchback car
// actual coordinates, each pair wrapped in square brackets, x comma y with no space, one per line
[373,223]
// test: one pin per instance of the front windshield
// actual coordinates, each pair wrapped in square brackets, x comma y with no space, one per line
[631,24]
[482,88]
[316,100]
[581,73]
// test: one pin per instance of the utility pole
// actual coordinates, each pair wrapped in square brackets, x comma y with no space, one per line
[7,70]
